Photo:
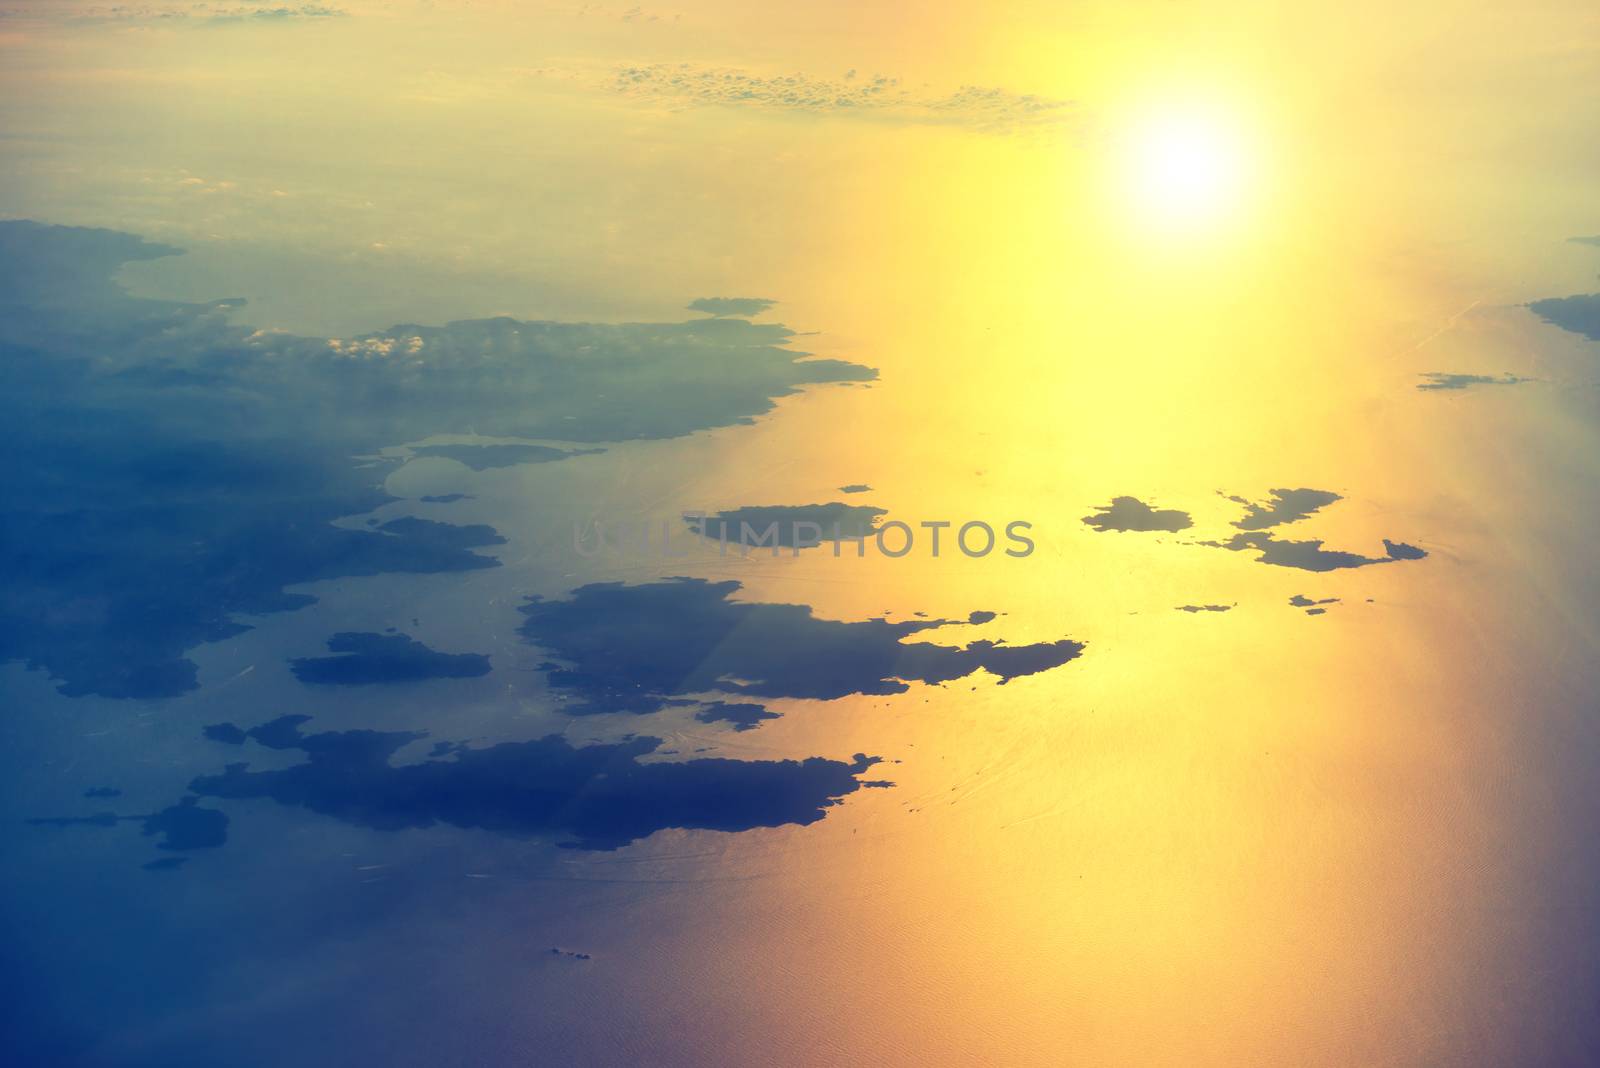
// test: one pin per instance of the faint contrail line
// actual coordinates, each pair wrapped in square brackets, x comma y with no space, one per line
[1448,324]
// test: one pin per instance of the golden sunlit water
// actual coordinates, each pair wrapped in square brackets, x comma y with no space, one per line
[1245,837]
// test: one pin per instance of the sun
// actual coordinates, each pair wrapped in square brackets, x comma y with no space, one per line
[1185,168]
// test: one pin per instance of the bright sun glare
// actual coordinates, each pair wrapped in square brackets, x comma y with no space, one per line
[1185,169]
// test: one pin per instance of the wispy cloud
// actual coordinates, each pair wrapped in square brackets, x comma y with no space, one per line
[267,11]
[878,97]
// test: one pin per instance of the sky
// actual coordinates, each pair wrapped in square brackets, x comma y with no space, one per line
[1168,428]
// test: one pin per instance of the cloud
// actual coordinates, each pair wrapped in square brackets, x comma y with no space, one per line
[279,13]
[878,97]
[1195,608]
[1283,506]
[572,382]
[374,658]
[856,487]
[642,648]
[184,11]
[591,797]
[173,469]
[1132,514]
[745,307]
[1453,380]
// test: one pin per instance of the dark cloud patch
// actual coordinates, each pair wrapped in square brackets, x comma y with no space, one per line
[1194,608]
[102,791]
[640,648]
[1283,506]
[592,797]
[980,617]
[1132,514]
[801,526]
[171,469]
[486,457]
[744,307]
[855,487]
[1310,555]
[376,658]
[744,717]
[1580,314]
[1435,380]
[1593,240]
[444,498]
